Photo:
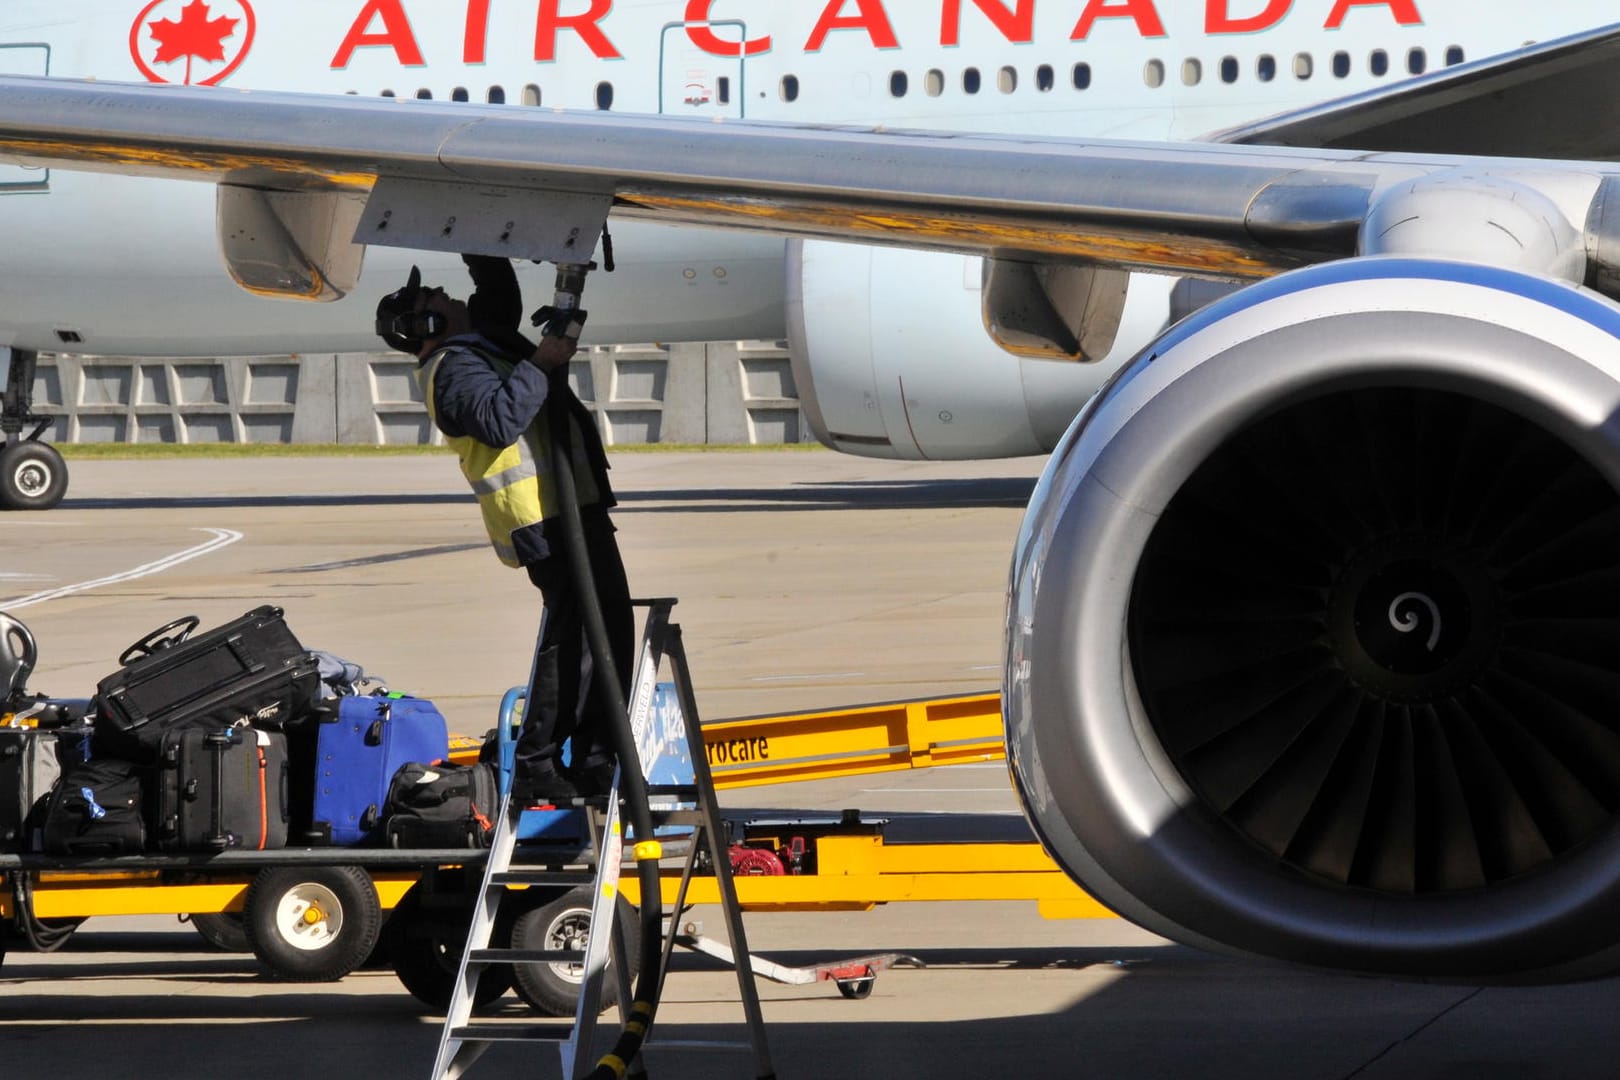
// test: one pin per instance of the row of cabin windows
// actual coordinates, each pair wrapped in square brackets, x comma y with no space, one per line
[1006,78]
[496,95]
[1192,73]
[1304,66]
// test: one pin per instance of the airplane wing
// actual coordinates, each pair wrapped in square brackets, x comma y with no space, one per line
[306,180]
[1549,100]
[1228,211]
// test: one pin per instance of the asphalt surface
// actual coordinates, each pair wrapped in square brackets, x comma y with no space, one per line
[806,580]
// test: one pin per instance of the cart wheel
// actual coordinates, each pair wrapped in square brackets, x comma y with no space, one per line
[565,923]
[311,924]
[425,947]
[33,476]
[857,989]
[224,930]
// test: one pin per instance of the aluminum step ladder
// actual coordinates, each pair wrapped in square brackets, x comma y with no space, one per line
[681,791]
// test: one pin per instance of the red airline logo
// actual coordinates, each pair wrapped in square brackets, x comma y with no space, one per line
[192,41]
[384,24]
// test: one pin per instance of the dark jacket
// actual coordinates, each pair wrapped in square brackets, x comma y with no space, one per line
[473,398]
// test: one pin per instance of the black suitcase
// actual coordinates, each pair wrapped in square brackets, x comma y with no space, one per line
[222,789]
[442,806]
[29,768]
[252,669]
[96,809]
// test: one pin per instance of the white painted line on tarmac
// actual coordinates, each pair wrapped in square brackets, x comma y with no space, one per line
[932,790]
[794,678]
[223,538]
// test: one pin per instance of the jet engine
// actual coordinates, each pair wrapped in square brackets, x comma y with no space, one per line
[1313,636]
[891,358]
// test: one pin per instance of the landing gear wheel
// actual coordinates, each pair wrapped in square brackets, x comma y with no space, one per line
[425,942]
[171,633]
[859,988]
[565,923]
[33,476]
[224,930]
[312,924]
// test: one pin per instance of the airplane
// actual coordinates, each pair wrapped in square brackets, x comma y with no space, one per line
[888,351]
[1309,647]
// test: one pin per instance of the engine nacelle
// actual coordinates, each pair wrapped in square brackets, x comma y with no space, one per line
[891,358]
[1312,632]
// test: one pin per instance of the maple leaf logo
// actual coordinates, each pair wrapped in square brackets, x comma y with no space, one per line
[195,35]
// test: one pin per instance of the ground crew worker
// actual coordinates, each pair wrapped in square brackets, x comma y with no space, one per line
[487,388]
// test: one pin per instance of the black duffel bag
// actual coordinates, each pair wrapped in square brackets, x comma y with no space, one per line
[251,670]
[96,809]
[441,806]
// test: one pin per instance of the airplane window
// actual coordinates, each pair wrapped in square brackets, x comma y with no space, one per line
[1341,65]
[934,83]
[1304,66]
[788,88]
[604,95]
[1153,74]
[1229,69]
[1192,72]
[1416,61]
[1454,56]
[387,93]
[424,94]
[1007,80]
[898,83]
[1378,62]
[352,93]
[496,95]
[970,81]
[1045,79]
[1082,76]
[531,95]
[1266,68]
[459,94]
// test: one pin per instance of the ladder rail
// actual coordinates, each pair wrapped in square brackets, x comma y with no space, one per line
[715,836]
[608,842]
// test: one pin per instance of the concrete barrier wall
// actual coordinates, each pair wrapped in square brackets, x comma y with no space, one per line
[725,393]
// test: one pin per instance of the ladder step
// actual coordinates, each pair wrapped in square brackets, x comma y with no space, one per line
[527,956]
[542,877]
[490,1033]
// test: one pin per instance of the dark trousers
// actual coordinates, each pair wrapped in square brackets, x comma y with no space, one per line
[565,703]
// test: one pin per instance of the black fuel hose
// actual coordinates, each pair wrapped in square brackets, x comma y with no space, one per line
[638,1018]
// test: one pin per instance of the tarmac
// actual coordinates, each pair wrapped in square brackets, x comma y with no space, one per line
[806,580]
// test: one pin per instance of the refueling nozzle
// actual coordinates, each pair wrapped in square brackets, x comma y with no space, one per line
[563,317]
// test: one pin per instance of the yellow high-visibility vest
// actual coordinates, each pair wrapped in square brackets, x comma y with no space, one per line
[513,483]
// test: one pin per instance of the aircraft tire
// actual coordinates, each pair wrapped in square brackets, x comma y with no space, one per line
[33,476]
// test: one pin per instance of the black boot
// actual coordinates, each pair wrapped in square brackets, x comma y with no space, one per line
[593,776]
[542,783]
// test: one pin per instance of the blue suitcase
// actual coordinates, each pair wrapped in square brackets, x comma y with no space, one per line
[358,748]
